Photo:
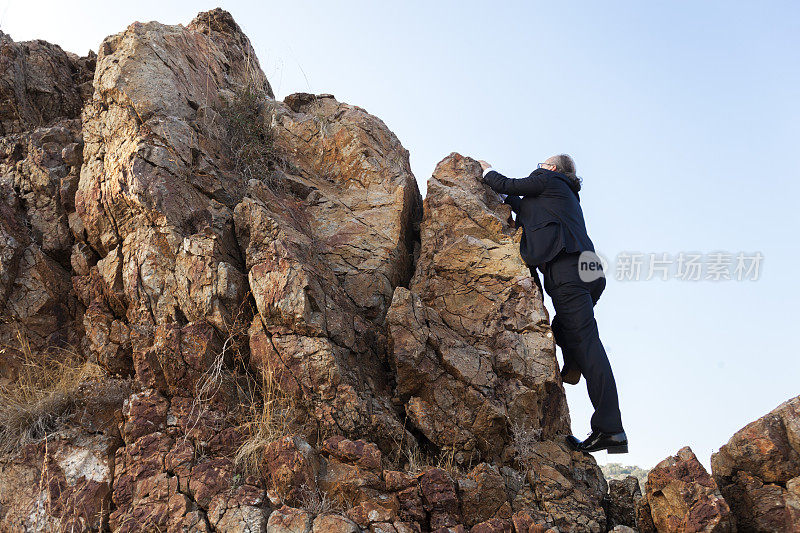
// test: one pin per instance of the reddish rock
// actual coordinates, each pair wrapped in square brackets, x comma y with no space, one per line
[333,523]
[683,497]
[292,466]
[755,467]
[439,498]
[348,483]
[63,482]
[380,509]
[396,480]
[411,506]
[482,493]
[494,525]
[289,520]
[359,452]
[524,523]
[145,413]
[470,336]
[241,511]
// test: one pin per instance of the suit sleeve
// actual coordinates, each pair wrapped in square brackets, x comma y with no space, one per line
[533,185]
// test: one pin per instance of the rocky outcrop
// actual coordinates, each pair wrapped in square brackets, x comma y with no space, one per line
[621,502]
[324,251]
[38,177]
[220,254]
[683,497]
[40,84]
[758,471]
[471,342]
[62,484]
[157,188]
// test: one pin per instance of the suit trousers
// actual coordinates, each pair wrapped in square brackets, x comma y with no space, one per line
[575,331]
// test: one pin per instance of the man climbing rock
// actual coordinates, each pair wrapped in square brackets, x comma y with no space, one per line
[547,206]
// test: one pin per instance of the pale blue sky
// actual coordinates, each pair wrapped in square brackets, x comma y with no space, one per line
[682,118]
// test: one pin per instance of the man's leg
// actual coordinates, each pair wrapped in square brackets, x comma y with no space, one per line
[574,301]
[571,371]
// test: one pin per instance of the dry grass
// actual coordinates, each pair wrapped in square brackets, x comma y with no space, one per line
[318,502]
[44,396]
[269,414]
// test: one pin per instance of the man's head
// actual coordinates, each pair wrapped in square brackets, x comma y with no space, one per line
[560,163]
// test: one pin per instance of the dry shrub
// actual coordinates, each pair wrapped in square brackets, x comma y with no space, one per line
[45,394]
[251,140]
[525,440]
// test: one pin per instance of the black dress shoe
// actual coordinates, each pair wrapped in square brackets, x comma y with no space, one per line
[597,441]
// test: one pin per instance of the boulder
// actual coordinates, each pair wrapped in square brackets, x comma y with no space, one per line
[757,471]
[683,497]
[60,484]
[292,466]
[333,523]
[567,487]
[326,242]
[470,337]
[621,501]
[289,520]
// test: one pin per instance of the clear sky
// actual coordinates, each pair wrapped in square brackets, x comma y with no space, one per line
[683,118]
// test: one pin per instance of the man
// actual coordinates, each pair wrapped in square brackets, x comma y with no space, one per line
[547,206]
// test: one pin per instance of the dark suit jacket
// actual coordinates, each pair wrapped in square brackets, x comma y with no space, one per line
[548,207]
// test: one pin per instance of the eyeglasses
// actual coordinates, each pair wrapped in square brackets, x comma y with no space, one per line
[545,165]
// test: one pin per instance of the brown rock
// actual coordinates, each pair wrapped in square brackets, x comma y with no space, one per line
[240,512]
[644,517]
[158,184]
[439,498]
[65,482]
[289,520]
[621,502]
[375,511]
[494,525]
[360,453]
[145,412]
[40,84]
[40,309]
[683,497]
[470,339]
[567,486]
[396,481]
[482,493]
[349,484]
[325,246]
[333,523]
[292,467]
[412,508]
[524,523]
[754,469]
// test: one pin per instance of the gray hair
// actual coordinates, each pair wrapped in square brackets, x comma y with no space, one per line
[563,163]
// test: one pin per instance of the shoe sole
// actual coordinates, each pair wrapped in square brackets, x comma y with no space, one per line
[623,448]
[572,377]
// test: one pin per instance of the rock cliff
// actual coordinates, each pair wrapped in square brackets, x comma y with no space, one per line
[224,312]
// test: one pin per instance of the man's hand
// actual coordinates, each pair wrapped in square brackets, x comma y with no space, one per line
[484,164]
